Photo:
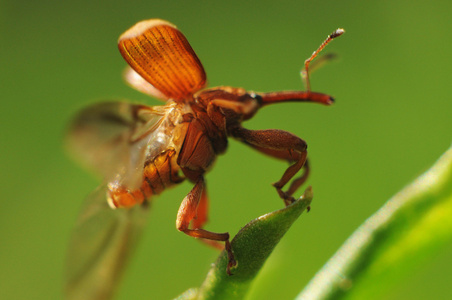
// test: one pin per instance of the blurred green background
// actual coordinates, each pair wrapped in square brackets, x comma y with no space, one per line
[391,121]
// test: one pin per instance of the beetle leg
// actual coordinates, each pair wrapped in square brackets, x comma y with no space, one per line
[297,182]
[201,212]
[188,212]
[279,144]
[201,219]
[290,157]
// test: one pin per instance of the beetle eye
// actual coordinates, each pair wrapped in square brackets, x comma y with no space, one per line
[257,97]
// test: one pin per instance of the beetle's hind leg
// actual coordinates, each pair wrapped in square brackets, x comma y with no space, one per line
[194,209]
[283,145]
[201,219]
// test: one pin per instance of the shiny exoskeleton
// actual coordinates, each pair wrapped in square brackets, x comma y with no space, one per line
[142,150]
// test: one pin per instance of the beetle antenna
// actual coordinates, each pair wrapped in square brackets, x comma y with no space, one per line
[321,60]
[305,72]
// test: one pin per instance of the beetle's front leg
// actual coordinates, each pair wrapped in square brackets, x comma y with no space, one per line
[280,144]
[188,212]
[290,157]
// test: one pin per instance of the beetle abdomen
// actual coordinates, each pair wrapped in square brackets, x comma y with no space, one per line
[158,174]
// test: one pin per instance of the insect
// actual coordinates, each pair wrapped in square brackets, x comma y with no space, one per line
[141,150]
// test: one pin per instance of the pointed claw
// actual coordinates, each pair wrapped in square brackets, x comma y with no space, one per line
[231,260]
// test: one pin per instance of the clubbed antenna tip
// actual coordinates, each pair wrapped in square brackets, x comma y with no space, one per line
[337,33]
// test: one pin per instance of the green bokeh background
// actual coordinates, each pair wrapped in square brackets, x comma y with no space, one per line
[391,121]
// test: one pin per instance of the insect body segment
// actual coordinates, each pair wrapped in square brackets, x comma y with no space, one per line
[160,145]
[158,174]
[142,150]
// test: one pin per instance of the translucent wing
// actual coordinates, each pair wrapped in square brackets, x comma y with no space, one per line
[161,55]
[140,84]
[100,247]
[112,137]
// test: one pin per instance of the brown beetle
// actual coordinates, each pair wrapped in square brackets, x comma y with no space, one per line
[142,150]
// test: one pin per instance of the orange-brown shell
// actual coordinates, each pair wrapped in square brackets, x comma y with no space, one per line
[161,54]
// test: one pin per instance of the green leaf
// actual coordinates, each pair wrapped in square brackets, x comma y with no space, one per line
[251,246]
[408,230]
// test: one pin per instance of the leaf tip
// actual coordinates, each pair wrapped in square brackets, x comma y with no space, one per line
[308,194]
